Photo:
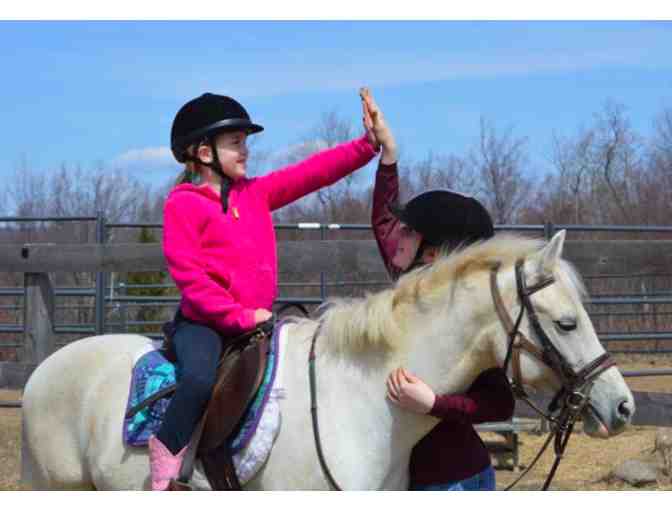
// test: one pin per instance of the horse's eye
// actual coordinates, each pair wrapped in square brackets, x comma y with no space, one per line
[566,324]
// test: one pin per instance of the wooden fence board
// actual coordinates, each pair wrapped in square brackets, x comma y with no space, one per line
[309,257]
[602,258]
[14,375]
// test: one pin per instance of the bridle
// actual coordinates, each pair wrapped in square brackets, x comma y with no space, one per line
[567,405]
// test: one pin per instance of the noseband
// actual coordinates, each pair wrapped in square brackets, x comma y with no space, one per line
[573,396]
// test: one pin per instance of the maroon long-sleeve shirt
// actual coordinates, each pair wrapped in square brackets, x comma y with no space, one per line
[452,450]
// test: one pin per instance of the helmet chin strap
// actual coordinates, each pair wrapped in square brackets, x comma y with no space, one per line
[417,260]
[216,166]
[419,254]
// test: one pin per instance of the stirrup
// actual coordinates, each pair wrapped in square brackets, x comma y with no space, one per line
[176,485]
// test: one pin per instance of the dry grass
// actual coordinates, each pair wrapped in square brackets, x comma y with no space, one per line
[587,461]
[10,442]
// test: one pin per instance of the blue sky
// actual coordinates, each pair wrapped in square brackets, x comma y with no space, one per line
[84,92]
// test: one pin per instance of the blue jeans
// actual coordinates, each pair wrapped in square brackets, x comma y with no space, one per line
[483,481]
[197,348]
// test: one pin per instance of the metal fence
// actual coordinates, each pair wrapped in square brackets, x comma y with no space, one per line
[111,302]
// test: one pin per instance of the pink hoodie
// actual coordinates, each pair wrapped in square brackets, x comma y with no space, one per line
[225,265]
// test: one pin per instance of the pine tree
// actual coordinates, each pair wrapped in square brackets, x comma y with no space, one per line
[146,313]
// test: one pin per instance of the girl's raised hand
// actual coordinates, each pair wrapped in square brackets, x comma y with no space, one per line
[376,127]
[367,118]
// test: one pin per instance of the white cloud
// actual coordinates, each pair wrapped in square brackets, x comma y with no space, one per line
[152,165]
[297,152]
[153,156]
[409,68]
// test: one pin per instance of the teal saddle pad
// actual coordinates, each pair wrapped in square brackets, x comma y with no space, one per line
[153,373]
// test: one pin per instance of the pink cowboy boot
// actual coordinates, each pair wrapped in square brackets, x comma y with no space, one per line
[164,466]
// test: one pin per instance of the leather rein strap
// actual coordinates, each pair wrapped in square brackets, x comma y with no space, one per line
[313,410]
[576,386]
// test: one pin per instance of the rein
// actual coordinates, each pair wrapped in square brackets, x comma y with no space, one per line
[313,410]
[572,396]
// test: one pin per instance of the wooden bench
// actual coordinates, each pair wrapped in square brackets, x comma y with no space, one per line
[509,430]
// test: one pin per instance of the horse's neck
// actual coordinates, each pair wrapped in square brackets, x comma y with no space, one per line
[351,397]
[456,343]
[447,349]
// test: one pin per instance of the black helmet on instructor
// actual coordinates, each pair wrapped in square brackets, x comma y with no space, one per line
[204,117]
[446,216]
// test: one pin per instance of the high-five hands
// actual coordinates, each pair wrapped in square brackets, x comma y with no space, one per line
[376,128]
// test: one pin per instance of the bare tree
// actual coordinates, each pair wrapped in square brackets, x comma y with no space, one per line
[258,157]
[436,171]
[660,152]
[74,192]
[343,201]
[617,157]
[498,162]
[567,188]
[600,172]
[655,191]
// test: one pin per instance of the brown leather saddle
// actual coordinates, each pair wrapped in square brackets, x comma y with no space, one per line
[239,374]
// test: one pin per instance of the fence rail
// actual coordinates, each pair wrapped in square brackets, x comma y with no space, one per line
[595,259]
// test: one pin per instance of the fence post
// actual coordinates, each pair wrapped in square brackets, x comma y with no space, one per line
[123,311]
[323,286]
[549,230]
[38,318]
[100,277]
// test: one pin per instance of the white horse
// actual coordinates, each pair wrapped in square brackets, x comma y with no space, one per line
[438,321]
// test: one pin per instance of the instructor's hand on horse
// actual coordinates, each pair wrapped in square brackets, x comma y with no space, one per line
[410,392]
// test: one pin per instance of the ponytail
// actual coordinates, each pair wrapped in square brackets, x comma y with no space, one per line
[182,177]
[187,175]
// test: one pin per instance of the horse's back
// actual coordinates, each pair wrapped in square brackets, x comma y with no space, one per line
[68,375]
[69,399]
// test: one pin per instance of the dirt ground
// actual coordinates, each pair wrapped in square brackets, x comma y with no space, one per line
[586,464]
[10,442]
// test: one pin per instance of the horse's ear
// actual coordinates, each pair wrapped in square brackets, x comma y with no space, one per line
[549,254]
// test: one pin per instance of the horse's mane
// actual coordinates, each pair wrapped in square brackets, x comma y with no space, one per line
[378,320]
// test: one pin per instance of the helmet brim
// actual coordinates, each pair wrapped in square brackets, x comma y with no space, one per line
[180,145]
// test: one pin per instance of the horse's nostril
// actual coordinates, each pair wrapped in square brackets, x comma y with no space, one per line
[625,409]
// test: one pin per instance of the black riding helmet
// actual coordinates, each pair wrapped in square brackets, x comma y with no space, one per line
[200,120]
[446,216]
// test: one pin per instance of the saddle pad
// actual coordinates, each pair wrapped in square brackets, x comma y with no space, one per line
[152,373]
